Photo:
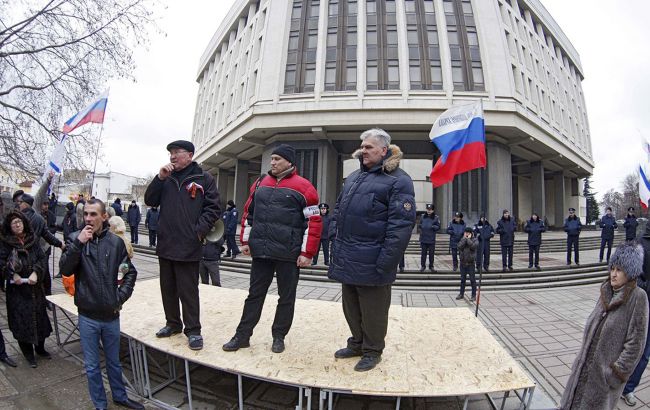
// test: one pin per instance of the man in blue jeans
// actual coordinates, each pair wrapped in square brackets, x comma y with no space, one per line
[99,299]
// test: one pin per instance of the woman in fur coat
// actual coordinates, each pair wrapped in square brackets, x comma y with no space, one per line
[614,336]
[22,265]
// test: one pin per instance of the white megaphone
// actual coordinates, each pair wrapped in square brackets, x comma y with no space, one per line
[216,233]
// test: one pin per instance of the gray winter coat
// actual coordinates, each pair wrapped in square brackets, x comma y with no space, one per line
[613,341]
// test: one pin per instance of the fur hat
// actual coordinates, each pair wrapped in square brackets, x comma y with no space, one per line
[628,258]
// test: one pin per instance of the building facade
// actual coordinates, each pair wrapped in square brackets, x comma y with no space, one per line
[316,73]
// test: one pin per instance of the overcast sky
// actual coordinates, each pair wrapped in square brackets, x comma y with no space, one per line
[611,38]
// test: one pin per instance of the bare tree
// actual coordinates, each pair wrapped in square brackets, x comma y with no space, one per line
[54,56]
[140,186]
[614,199]
[631,190]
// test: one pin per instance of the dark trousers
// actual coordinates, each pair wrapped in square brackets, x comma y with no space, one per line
[506,256]
[464,271]
[483,254]
[427,249]
[47,278]
[454,257]
[401,263]
[209,271]
[28,348]
[572,241]
[134,234]
[261,278]
[180,281]
[3,350]
[533,255]
[325,245]
[603,242]
[366,311]
[635,378]
[152,237]
[231,243]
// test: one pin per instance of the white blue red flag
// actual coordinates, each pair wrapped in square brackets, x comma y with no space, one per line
[644,182]
[94,112]
[459,134]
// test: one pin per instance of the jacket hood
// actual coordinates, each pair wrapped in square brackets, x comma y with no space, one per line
[390,162]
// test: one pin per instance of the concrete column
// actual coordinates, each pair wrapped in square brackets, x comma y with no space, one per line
[241,183]
[222,186]
[558,183]
[403,47]
[327,173]
[499,177]
[443,201]
[538,196]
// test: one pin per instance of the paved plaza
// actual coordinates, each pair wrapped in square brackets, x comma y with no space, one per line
[541,329]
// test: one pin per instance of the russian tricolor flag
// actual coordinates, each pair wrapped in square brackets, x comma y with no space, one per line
[644,183]
[459,134]
[94,112]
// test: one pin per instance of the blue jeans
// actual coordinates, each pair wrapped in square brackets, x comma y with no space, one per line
[91,332]
[635,378]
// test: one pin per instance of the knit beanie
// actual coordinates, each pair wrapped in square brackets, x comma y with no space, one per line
[628,258]
[285,151]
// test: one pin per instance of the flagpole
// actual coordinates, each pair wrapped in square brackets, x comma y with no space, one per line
[99,143]
[484,211]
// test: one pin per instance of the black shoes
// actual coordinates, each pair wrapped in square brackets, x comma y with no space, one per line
[459,297]
[422,269]
[236,343]
[537,267]
[44,354]
[32,362]
[346,353]
[167,332]
[530,266]
[278,345]
[367,363]
[510,268]
[129,404]
[472,299]
[401,270]
[8,361]
[195,342]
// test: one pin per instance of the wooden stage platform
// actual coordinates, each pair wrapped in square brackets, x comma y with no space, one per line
[429,352]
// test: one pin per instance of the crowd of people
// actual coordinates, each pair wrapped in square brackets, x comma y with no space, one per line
[283,227]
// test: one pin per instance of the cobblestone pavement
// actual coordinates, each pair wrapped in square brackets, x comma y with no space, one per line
[541,329]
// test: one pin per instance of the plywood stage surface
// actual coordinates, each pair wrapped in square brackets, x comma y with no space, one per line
[429,352]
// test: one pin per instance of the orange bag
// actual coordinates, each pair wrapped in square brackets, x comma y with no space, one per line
[68,284]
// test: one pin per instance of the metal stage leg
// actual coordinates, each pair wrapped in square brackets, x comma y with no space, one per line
[240,392]
[322,395]
[308,394]
[56,325]
[300,393]
[147,382]
[189,384]
[330,401]
[503,402]
[523,398]
[465,402]
[530,397]
[399,403]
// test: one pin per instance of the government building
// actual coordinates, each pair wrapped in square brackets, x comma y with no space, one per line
[317,73]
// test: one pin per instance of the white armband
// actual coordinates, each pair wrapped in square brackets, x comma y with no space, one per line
[311,211]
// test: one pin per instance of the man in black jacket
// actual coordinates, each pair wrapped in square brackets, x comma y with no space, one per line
[189,206]
[99,299]
[608,226]
[151,223]
[429,227]
[506,227]
[133,217]
[324,235]
[630,224]
[572,227]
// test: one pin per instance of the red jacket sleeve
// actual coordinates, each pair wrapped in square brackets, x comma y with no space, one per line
[311,238]
[247,215]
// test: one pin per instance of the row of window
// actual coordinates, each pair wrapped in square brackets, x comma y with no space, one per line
[382,48]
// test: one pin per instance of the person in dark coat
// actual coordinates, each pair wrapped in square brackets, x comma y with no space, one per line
[324,235]
[281,231]
[22,263]
[188,200]
[455,230]
[133,217]
[630,225]
[572,227]
[607,225]
[467,250]
[534,227]
[151,223]
[373,221]
[483,232]
[53,202]
[644,283]
[4,358]
[69,223]
[96,256]
[117,206]
[614,336]
[429,227]
[50,223]
[231,221]
[209,265]
[506,227]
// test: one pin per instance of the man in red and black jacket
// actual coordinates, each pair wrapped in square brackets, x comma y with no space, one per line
[281,228]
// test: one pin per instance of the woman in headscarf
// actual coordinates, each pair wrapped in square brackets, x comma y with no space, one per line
[614,336]
[22,264]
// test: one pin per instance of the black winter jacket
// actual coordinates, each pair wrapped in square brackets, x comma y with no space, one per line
[429,226]
[325,231]
[467,251]
[133,216]
[212,250]
[608,225]
[483,231]
[95,265]
[572,226]
[39,227]
[69,224]
[534,230]
[373,220]
[231,220]
[188,209]
[630,225]
[506,230]
[151,220]
[455,231]
[117,206]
